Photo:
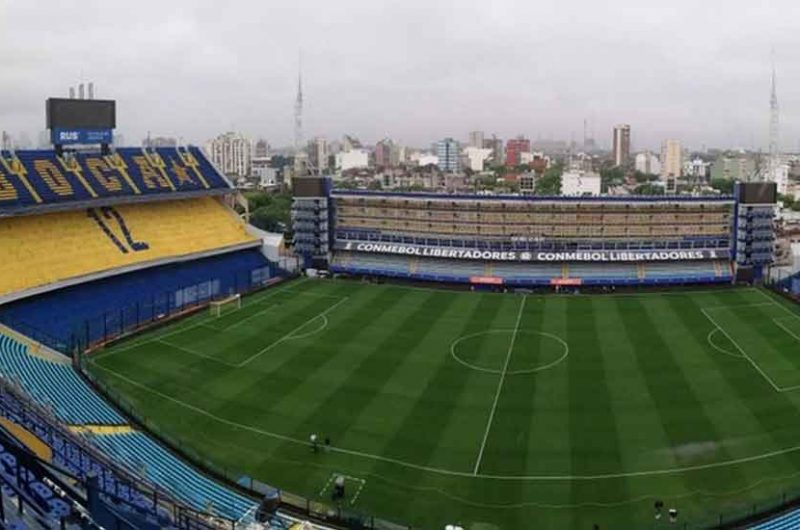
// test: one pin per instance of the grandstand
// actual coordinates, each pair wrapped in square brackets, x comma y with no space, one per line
[99,244]
[520,241]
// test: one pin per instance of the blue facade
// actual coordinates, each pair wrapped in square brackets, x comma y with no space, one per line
[90,312]
[40,179]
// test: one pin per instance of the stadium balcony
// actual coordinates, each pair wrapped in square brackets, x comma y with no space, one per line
[99,310]
[47,251]
[41,180]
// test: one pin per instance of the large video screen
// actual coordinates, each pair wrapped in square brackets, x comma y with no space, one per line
[758,193]
[81,114]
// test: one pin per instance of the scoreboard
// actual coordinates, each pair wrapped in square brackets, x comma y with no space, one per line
[81,121]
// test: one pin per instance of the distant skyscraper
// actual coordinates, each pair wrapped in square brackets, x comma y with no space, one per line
[622,144]
[159,141]
[449,154]
[496,145]
[386,154]
[231,152]
[647,162]
[514,149]
[261,149]
[476,139]
[318,154]
[671,163]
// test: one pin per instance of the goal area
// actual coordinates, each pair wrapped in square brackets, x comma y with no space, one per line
[225,305]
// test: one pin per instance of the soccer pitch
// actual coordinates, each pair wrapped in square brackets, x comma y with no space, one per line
[488,410]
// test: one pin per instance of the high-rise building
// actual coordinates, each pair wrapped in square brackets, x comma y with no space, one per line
[671,163]
[648,163]
[318,155]
[261,149]
[496,145]
[387,154]
[231,152]
[622,144]
[476,139]
[449,154]
[514,149]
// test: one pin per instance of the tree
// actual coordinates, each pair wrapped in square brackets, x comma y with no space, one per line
[723,185]
[550,183]
[271,212]
[648,189]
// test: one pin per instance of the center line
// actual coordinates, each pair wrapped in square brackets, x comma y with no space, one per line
[499,386]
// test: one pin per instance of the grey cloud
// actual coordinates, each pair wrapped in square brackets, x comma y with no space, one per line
[414,70]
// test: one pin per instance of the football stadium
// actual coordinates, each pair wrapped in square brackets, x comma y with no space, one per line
[413,360]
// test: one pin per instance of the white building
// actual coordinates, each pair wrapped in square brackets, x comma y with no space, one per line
[649,163]
[476,139]
[696,169]
[231,153]
[580,183]
[476,158]
[781,178]
[427,160]
[353,159]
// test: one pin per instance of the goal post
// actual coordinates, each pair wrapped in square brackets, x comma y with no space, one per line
[225,305]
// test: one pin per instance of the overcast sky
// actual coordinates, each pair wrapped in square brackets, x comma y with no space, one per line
[697,70]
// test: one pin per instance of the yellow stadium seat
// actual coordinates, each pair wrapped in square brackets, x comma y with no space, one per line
[39,250]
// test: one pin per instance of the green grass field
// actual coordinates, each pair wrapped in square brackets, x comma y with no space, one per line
[489,410]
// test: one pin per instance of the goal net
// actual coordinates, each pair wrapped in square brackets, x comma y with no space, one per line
[225,305]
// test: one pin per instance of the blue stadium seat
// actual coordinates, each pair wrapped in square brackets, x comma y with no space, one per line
[54,385]
[142,455]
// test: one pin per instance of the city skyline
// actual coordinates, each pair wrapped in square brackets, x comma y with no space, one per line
[194,72]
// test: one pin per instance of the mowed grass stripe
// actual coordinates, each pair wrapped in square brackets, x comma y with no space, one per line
[595,443]
[239,345]
[507,443]
[682,413]
[756,408]
[338,412]
[445,426]
[256,391]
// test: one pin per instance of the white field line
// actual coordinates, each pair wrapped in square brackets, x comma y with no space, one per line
[358,491]
[448,472]
[289,335]
[720,349]
[248,318]
[746,356]
[499,387]
[734,306]
[193,352]
[784,328]
[180,329]
[773,301]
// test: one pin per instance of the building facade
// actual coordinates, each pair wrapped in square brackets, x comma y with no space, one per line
[580,183]
[671,163]
[622,144]
[476,139]
[318,154]
[231,153]
[448,153]
[514,149]
[648,162]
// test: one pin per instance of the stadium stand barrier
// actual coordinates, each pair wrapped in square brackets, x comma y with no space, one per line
[85,316]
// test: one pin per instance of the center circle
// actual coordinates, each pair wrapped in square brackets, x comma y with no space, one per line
[487,351]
